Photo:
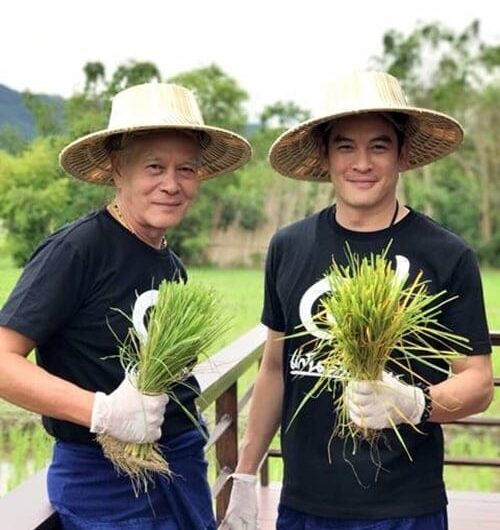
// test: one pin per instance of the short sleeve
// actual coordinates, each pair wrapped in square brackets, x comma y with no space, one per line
[48,292]
[466,315]
[272,313]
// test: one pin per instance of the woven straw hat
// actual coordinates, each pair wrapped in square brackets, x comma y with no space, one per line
[429,135]
[154,107]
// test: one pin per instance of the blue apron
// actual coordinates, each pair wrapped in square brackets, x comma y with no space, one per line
[289,519]
[88,493]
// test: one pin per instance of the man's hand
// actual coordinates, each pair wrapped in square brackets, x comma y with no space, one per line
[242,511]
[128,415]
[382,404]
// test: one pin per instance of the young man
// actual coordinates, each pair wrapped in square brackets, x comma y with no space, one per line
[367,138]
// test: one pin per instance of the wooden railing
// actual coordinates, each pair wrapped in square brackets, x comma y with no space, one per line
[27,507]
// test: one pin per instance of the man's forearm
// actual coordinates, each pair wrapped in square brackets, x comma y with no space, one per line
[469,391]
[29,386]
[263,419]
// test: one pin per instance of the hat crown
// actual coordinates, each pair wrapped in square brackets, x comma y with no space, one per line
[364,90]
[154,104]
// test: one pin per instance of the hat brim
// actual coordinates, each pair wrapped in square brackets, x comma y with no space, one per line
[429,135]
[88,159]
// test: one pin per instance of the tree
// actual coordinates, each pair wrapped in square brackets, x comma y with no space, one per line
[33,196]
[220,97]
[282,115]
[457,73]
[46,113]
[95,78]
[274,119]
[130,74]
[11,140]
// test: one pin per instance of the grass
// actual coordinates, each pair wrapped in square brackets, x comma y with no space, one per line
[27,448]
[241,291]
[491,288]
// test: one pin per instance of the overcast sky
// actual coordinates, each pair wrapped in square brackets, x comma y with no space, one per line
[272,48]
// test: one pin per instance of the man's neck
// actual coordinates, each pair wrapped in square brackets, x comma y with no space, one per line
[369,219]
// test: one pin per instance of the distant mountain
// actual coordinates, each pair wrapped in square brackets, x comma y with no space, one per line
[13,111]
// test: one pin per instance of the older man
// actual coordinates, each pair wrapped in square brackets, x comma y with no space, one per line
[75,300]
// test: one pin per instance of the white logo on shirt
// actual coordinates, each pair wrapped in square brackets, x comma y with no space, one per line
[142,304]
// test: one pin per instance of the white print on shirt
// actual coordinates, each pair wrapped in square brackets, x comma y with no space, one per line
[304,363]
[146,300]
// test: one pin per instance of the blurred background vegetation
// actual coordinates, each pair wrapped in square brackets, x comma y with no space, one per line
[454,72]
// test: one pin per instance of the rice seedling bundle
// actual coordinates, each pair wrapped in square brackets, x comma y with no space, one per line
[184,323]
[371,317]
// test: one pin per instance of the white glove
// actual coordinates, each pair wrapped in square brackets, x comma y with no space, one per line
[242,511]
[128,415]
[380,404]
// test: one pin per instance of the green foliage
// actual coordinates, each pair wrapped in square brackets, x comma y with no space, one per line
[190,238]
[489,251]
[455,200]
[452,199]
[95,77]
[261,142]
[29,449]
[46,114]
[235,198]
[88,111]
[38,197]
[243,198]
[274,120]
[11,140]
[457,73]
[126,75]
[436,64]
[283,114]
[479,444]
[453,71]
[31,196]
[85,113]
[220,97]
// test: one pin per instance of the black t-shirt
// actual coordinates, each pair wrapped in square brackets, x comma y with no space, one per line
[75,299]
[327,476]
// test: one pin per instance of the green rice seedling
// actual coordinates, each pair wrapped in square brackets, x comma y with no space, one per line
[183,325]
[371,316]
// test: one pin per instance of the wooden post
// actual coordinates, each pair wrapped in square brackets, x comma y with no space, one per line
[264,472]
[226,448]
